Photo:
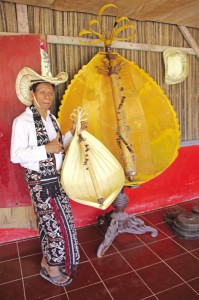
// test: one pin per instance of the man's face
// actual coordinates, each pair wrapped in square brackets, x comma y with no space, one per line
[44,95]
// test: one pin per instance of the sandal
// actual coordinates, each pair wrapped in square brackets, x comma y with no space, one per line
[61,268]
[55,280]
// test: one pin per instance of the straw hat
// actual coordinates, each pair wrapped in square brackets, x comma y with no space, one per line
[176,66]
[27,77]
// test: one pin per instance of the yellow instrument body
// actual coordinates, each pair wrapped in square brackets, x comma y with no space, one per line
[130,102]
[90,174]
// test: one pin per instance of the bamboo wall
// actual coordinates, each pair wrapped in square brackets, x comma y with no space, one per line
[70,58]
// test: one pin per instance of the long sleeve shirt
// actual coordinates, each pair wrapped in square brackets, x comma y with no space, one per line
[24,149]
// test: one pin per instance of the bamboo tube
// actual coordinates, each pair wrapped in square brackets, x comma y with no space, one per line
[128,155]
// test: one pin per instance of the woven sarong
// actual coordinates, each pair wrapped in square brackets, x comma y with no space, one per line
[56,225]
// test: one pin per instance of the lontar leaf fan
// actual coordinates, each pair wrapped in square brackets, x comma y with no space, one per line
[90,174]
[129,112]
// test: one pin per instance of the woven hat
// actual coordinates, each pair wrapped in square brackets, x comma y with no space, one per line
[176,66]
[27,77]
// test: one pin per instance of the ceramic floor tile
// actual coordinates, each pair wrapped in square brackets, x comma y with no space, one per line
[93,292]
[185,265]
[188,205]
[84,276]
[187,244]
[182,292]
[8,251]
[195,253]
[166,248]
[38,288]
[140,257]
[60,297]
[31,265]
[126,241]
[110,266]
[9,270]
[195,284]
[91,249]
[154,217]
[128,287]
[147,238]
[83,256]
[88,234]
[165,228]
[159,277]
[12,290]
[30,246]
[111,277]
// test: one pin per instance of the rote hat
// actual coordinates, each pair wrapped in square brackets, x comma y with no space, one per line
[176,66]
[27,77]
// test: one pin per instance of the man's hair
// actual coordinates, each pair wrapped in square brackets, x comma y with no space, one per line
[34,86]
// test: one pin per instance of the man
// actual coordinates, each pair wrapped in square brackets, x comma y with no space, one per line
[37,145]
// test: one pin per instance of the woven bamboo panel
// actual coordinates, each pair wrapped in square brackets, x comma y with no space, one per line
[70,58]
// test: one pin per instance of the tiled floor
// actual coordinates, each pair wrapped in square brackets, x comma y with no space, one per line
[135,267]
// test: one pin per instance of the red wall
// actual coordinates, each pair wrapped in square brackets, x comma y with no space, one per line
[15,53]
[179,183]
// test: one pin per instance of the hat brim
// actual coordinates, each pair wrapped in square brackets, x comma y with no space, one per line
[176,66]
[27,77]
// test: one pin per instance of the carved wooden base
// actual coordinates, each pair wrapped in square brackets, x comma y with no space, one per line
[122,222]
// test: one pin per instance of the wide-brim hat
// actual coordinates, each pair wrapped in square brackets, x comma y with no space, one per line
[27,77]
[176,66]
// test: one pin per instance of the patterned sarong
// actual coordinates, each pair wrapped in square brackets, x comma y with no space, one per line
[56,225]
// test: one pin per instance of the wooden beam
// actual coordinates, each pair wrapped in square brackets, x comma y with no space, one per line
[190,40]
[22,18]
[68,40]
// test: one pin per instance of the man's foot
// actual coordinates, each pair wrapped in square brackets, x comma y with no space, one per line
[50,275]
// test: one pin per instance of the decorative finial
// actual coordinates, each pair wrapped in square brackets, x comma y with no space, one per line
[103,35]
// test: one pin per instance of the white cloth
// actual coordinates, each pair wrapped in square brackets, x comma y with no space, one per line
[24,149]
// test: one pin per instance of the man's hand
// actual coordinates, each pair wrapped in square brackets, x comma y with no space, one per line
[74,125]
[54,146]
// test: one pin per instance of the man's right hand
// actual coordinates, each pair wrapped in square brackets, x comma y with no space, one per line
[54,146]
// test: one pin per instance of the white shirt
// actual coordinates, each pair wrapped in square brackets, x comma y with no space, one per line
[24,149]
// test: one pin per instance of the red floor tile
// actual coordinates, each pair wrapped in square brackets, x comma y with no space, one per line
[88,234]
[159,277]
[8,251]
[195,284]
[146,238]
[165,228]
[166,248]
[84,276]
[185,265]
[154,217]
[10,270]
[93,292]
[12,290]
[182,292]
[110,266]
[128,287]
[91,249]
[126,241]
[30,246]
[31,265]
[38,288]
[83,255]
[135,267]
[195,253]
[140,257]
[187,244]
[60,297]
[188,205]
